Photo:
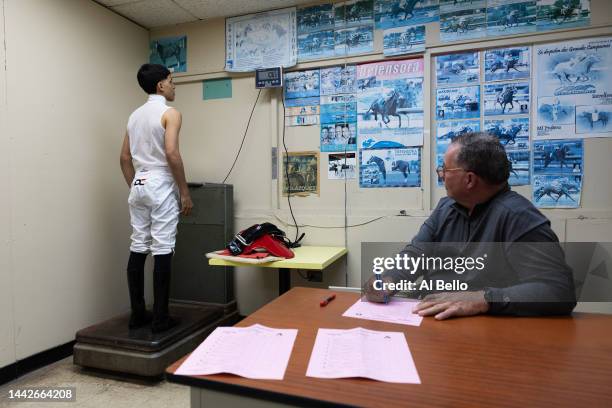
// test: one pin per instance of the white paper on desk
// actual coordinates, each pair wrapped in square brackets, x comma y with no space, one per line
[382,356]
[256,352]
[396,311]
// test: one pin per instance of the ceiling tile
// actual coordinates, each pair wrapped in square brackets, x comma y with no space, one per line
[207,9]
[155,13]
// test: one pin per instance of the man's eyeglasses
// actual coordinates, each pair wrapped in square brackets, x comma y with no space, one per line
[441,170]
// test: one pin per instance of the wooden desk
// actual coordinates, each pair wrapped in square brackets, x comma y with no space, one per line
[306,257]
[466,362]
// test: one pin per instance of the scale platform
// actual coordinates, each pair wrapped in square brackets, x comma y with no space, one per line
[111,345]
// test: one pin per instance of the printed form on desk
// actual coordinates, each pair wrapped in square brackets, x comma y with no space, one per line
[256,352]
[382,356]
[398,311]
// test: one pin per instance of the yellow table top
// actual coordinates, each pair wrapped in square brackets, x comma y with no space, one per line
[306,257]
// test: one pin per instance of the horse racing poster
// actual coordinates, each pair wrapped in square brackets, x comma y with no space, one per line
[170,52]
[462,19]
[399,13]
[341,166]
[262,40]
[315,28]
[300,173]
[574,89]
[390,104]
[390,167]
[555,14]
[506,98]
[502,64]
[404,40]
[510,17]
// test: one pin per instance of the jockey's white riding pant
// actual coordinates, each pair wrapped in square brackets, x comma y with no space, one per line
[154,212]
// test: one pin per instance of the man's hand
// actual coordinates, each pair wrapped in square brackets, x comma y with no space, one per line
[452,304]
[378,296]
[186,204]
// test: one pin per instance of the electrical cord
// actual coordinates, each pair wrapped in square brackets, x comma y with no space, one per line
[286,165]
[243,138]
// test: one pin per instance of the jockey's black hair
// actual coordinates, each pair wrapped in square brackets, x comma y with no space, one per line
[149,75]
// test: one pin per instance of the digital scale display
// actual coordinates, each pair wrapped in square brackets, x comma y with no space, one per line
[269,78]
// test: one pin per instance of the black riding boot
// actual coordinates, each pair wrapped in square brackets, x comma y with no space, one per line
[135,277]
[161,291]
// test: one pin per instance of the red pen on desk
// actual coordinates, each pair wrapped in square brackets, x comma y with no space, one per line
[327,300]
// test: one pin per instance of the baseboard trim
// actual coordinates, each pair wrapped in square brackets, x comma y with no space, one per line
[34,362]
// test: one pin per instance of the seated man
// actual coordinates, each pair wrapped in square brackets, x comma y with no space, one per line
[529,278]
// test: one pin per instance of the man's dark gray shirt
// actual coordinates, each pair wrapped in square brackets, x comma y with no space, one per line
[520,278]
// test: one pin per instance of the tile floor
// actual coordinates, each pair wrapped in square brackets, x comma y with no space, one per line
[96,389]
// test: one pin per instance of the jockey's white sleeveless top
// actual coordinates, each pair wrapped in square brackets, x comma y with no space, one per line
[146,135]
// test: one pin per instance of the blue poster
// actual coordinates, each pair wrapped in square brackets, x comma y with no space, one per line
[506,98]
[458,103]
[512,133]
[316,45]
[398,13]
[390,168]
[463,25]
[519,168]
[354,13]
[302,84]
[170,52]
[502,64]
[338,80]
[574,85]
[557,191]
[509,17]
[404,40]
[561,14]
[355,40]
[315,18]
[564,156]
[462,68]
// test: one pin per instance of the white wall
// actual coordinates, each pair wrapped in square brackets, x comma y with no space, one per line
[214,129]
[71,84]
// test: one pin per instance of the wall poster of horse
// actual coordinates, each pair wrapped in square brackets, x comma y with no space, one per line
[400,13]
[354,13]
[341,166]
[390,167]
[573,84]
[300,173]
[170,52]
[458,68]
[458,102]
[503,64]
[513,133]
[510,17]
[506,98]
[390,103]
[557,191]
[464,24]
[563,14]
[558,156]
[315,18]
[404,40]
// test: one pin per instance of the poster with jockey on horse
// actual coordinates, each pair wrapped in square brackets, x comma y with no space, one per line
[315,29]
[341,166]
[519,168]
[510,17]
[390,103]
[458,102]
[502,64]
[565,156]
[354,13]
[399,13]
[513,133]
[390,167]
[574,88]
[506,98]
[404,40]
[563,14]
[460,68]
[462,20]
[558,191]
